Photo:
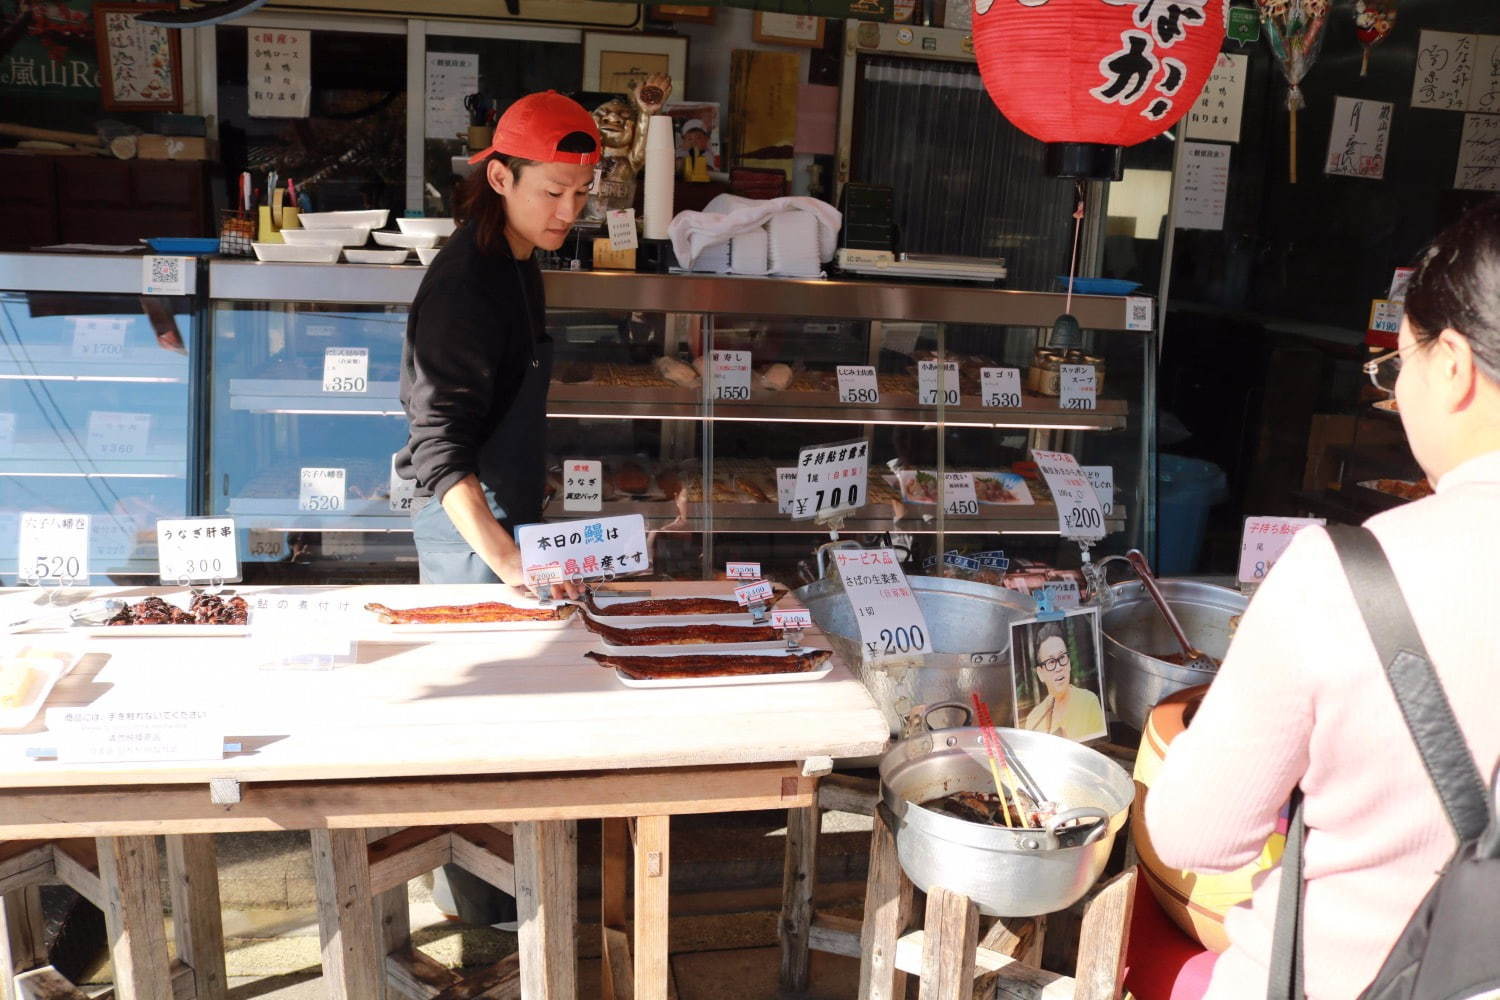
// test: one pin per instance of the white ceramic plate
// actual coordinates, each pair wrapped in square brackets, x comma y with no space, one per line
[675,682]
[47,671]
[427,255]
[317,253]
[437,227]
[411,241]
[372,218]
[344,236]
[376,256]
[164,631]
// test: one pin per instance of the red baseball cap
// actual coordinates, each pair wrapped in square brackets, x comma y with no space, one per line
[532,127]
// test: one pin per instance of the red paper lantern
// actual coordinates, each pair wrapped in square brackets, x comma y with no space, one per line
[1089,77]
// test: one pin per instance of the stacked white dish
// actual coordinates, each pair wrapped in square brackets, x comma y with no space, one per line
[343,236]
[426,255]
[409,241]
[370,218]
[291,253]
[376,256]
[441,228]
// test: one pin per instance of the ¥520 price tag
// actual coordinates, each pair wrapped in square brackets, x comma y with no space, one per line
[1000,387]
[858,384]
[53,547]
[891,624]
[1080,387]
[1079,514]
[958,494]
[1264,541]
[830,480]
[346,370]
[197,549]
[321,491]
[927,383]
[731,375]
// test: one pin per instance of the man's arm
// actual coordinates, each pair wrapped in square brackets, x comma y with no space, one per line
[465,506]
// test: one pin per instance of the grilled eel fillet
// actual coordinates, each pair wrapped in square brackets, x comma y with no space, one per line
[674,606]
[677,635]
[457,614]
[650,668]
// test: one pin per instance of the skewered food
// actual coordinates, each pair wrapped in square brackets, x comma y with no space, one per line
[680,635]
[644,668]
[984,807]
[674,606]
[457,614]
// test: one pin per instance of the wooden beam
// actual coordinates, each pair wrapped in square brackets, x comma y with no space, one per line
[77,863]
[835,935]
[30,866]
[888,895]
[352,969]
[952,927]
[23,936]
[547,904]
[617,976]
[653,870]
[183,987]
[798,880]
[412,974]
[847,793]
[391,911]
[197,923]
[407,854]
[1101,942]
[46,983]
[130,878]
[486,852]
[1012,980]
[501,981]
[616,968]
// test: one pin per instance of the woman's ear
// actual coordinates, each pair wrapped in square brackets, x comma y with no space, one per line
[501,179]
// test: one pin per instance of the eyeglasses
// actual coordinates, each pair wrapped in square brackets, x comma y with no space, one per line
[1384,370]
[1051,663]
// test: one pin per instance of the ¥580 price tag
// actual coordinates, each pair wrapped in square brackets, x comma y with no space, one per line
[830,480]
[927,383]
[1080,387]
[197,549]
[1263,542]
[346,369]
[1079,514]
[321,491]
[858,384]
[53,547]
[891,624]
[1000,387]
[958,494]
[731,375]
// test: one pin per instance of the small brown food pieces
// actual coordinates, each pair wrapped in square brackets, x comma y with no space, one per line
[679,635]
[647,668]
[674,606]
[206,609]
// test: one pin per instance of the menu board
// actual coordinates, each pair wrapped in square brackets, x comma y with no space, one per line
[139,64]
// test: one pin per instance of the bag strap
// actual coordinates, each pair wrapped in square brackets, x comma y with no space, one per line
[1285,982]
[1426,709]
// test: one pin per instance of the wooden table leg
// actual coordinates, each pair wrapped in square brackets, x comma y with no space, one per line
[888,895]
[652,873]
[198,925]
[547,904]
[798,880]
[352,967]
[130,879]
[391,913]
[949,936]
[616,975]
[23,937]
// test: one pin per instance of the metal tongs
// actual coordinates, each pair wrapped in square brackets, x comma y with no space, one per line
[1193,657]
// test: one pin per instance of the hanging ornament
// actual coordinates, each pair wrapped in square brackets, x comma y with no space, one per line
[1090,77]
[1373,20]
[1294,30]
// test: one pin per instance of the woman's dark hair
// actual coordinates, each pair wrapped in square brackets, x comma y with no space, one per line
[1456,286]
[480,204]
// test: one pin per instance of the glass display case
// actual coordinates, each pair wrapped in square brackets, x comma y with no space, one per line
[95,405]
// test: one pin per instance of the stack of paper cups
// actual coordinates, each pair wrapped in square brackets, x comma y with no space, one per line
[661,157]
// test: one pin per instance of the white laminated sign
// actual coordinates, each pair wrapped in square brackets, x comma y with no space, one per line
[831,480]
[1079,513]
[891,625]
[584,550]
[197,549]
[1264,541]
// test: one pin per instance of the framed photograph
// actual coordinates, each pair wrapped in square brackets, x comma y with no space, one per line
[789,29]
[1057,675]
[614,62]
[690,12]
[695,127]
[140,65]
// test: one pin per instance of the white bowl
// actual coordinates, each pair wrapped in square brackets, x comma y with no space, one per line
[412,241]
[438,227]
[376,256]
[426,254]
[350,236]
[372,217]
[315,253]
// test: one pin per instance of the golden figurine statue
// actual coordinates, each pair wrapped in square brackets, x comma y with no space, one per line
[622,126]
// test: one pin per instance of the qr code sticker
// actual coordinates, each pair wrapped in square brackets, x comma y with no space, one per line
[166,270]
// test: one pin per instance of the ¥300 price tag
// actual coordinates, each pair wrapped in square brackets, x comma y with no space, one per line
[346,370]
[1080,387]
[831,480]
[53,547]
[1000,387]
[1263,542]
[858,384]
[958,494]
[321,491]
[742,570]
[197,549]
[731,375]
[927,383]
[891,625]
[1079,514]
[583,550]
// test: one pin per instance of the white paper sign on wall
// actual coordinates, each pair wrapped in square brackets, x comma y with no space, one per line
[584,550]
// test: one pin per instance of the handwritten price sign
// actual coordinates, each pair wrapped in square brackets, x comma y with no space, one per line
[1264,541]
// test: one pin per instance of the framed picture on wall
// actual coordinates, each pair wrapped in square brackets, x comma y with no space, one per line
[140,65]
[691,12]
[613,62]
[789,29]
[1057,675]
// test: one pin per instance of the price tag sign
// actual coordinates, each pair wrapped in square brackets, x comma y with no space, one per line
[927,382]
[195,549]
[1064,593]
[143,733]
[165,275]
[118,435]
[1000,387]
[858,384]
[758,592]
[320,491]
[343,544]
[891,625]
[301,631]
[742,570]
[792,618]
[958,494]
[7,433]
[1102,479]
[1079,514]
[621,222]
[786,489]
[582,550]
[731,375]
[1400,279]
[53,547]
[97,338]
[266,544]
[583,485]
[404,499]
[831,480]
[1139,314]
[1080,387]
[1263,542]
[346,370]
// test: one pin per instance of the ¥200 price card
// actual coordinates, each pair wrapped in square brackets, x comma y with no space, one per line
[1080,516]
[892,627]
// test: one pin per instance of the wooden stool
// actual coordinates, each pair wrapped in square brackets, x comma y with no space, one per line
[120,875]
[637,970]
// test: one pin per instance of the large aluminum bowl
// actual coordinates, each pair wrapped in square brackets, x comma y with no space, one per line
[1006,872]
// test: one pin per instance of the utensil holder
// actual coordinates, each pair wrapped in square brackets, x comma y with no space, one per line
[268,233]
[236,231]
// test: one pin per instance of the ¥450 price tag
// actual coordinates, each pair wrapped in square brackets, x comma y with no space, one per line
[1000,387]
[197,549]
[346,370]
[53,547]
[1079,514]
[321,491]
[892,627]
[830,480]
[1263,542]
[958,494]
[858,384]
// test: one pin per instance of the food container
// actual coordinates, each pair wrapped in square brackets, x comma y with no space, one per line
[411,241]
[440,228]
[376,256]
[427,255]
[1006,872]
[344,236]
[370,218]
[316,253]
[1044,376]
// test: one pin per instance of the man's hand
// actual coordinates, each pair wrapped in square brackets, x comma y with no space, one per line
[510,572]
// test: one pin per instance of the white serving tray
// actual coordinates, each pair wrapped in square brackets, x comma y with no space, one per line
[672,682]
[52,670]
[164,631]
[372,629]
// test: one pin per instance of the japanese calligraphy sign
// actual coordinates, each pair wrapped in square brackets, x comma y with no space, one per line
[831,480]
[89,735]
[320,491]
[280,71]
[731,375]
[196,549]
[958,494]
[1079,386]
[1263,542]
[301,630]
[1000,387]
[140,65]
[1217,114]
[928,389]
[1359,138]
[53,547]
[451,76]
[1479,154]
[583,484]
[858,384]
[1079,513]
[892,627]
[1102,479]
[584,550]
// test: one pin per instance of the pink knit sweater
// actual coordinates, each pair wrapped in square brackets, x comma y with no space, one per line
[1302,698]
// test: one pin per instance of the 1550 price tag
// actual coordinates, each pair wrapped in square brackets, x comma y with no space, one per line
[1000,387]
[346,370]
[927,383]
[958,494]
[321,491]
[53,547]
[891,624]
[1264,541]
[194,549]
[858,384]
[731,375]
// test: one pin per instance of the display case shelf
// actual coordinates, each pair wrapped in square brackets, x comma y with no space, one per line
[266,395]
[58,364]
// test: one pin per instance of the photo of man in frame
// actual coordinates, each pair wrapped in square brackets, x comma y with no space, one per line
[1056,675]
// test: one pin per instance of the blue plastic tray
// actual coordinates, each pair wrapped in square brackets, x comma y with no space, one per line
[184,244]
[1099,286]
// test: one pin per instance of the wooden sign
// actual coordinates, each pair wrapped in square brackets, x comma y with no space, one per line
[140,65]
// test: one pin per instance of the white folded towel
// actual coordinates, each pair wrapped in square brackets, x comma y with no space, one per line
[749,253]
[729,215]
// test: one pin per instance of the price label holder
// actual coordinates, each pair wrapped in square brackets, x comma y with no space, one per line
[346,370]
[786,489]
[792,622]
[1079,387]
[1080,516]
[583,485]
[742,570]
[53,547]
[135,734]
[597,549]
[404,499]
[320,490]
[193,550]
[1263,542]
[622,235]
[118,436]
[993,559]
[958,494]
[927,383]
[301,631]
[831,480]
[754,597]
[731,375]
[858,384]
[1000,387]
[892,630]
[1102,479]
[97,338]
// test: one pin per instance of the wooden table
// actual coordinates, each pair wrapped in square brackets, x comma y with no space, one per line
[504,727]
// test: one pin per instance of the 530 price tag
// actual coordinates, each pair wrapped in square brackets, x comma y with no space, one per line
[1000,387]
[1080,387]
[858,384]
[194,549]
[731,375]
[958,494]
[321,491]
[891,624]
[1263,542]
[1079,514]
[346,370]
[53,547]
[927,382]
[830,480]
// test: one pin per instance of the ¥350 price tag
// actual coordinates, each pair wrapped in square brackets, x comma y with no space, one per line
[583,550]
[742,570]
[858,384]
[927,383]
[1080,387]
[321,491]
[197,549]
[891,625]
[53,547]
[1263,542]
[831,480]
[958,494]
[1079,514]
[731,375]
[1000,387]
[346,370]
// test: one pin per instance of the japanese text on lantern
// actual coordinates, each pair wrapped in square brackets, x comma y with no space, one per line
[1137,69]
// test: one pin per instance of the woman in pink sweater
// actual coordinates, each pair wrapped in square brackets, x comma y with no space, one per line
[1301,697]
